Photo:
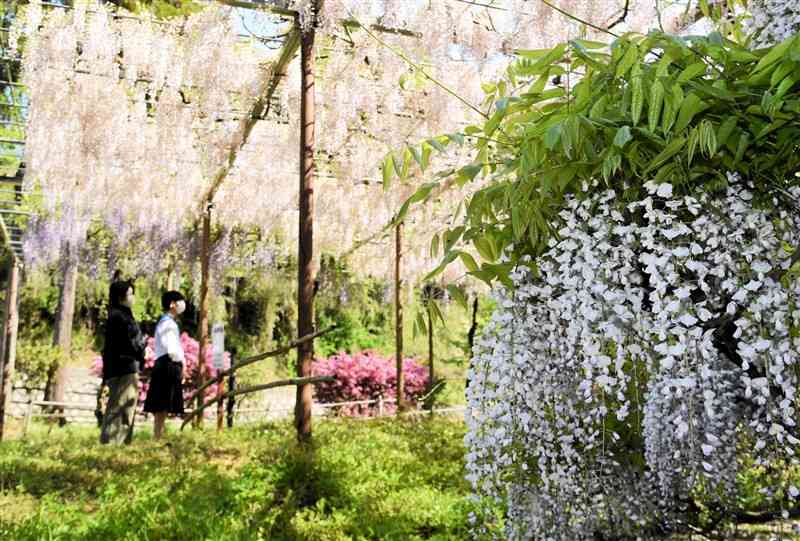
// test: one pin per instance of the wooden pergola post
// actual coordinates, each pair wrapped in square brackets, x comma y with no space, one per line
[430,343]
[8,354]
[205,260]
[398,315]
[305,270]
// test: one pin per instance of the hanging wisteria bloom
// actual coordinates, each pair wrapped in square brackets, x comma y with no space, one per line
[630,366]
[775,20]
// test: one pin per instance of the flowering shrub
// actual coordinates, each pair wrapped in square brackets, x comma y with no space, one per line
[366,376]
[191,349]
[655,344]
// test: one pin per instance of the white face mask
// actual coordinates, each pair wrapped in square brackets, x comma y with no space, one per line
[180,307]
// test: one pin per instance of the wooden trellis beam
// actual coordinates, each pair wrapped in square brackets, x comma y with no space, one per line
[273,6]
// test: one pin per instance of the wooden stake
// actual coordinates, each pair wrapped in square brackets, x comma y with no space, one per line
[398,314]
[205,260]
[9,356]
[256,388]
[232,389]
[220,405]
[430,346]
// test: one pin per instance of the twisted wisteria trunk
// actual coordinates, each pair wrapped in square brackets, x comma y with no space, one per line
[55,388]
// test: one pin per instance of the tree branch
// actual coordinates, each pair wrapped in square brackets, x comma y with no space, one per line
[259,109]
[575,18]
[621,18]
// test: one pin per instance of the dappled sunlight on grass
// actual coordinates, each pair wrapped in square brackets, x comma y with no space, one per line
[383,479]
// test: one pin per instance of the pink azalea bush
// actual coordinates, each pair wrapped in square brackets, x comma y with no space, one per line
[366,376]
[191,349]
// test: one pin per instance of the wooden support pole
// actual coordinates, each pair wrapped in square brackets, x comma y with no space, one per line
[5,323]
[255,388]
[220,405]
[231,389]
[431,376]
[9,353]
[247,361]
[398,314]
[305,270]
[205,260]
[28,417]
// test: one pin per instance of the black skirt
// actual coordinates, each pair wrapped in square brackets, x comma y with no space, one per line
[166,387]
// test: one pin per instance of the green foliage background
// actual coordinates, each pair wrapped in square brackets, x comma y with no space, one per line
[657,108]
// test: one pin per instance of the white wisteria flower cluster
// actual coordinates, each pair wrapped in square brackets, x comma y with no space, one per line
[776,20]
[628,368]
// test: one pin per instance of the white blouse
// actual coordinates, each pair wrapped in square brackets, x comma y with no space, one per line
[168,340]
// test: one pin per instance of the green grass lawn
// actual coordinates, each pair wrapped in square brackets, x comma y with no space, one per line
[384,479]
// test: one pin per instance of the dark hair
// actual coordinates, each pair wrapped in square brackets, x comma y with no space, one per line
[169,297]
[118,291]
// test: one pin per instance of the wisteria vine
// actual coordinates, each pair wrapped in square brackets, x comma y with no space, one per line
[629,366]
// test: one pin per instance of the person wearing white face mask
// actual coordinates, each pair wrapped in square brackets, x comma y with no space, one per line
[165,395]
[123,356]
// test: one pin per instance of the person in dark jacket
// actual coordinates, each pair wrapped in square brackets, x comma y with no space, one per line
[123,357]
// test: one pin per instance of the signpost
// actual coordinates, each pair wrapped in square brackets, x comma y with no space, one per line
[218,351]
[218,346]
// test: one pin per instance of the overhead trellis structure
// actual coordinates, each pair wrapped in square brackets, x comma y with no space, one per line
[13,115]
[295,39]
[13,213]
[345,146]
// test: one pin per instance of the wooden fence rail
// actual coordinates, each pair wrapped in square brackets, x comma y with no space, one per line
[380,402]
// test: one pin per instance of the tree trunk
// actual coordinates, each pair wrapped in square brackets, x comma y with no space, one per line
[8,354]
[205,276]
[62,335]
[171,282]
[398,314]
[305,271]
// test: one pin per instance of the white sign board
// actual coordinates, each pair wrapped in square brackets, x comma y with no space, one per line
[218,345]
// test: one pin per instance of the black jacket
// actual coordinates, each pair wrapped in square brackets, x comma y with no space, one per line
[123,353]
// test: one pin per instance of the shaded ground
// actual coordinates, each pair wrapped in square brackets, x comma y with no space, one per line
[362,480]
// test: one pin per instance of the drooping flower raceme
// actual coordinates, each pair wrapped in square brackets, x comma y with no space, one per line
[626,370]
[776,20]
